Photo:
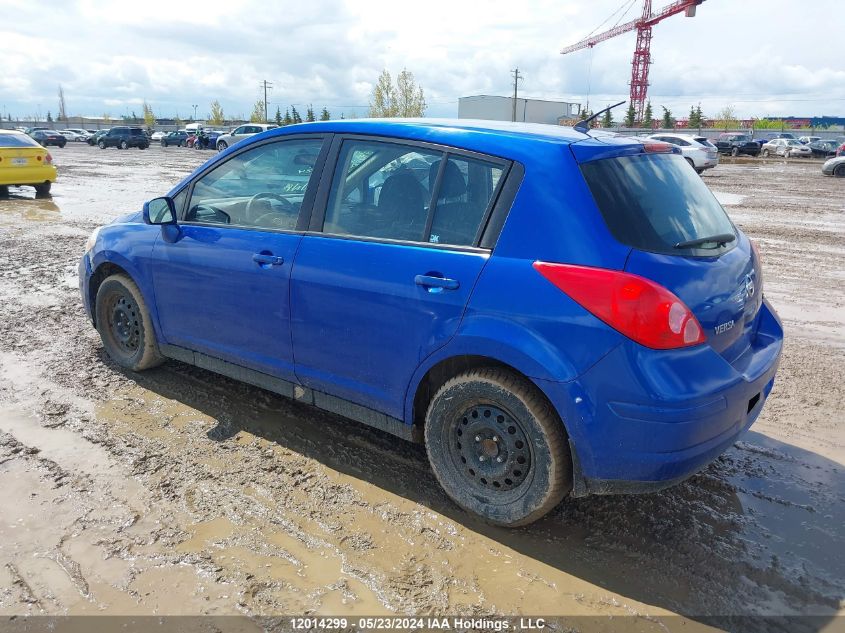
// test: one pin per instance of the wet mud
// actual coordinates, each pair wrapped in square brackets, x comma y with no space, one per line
[176,491]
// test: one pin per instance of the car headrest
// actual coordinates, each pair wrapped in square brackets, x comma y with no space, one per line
[453,184]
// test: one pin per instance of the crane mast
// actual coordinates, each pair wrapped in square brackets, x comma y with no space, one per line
[642,52]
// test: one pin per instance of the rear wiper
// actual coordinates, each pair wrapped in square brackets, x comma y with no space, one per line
[718,240]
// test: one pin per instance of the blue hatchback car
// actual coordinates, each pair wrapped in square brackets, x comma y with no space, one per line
[552,312]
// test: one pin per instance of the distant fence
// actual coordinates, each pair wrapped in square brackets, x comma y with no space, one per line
[103,124]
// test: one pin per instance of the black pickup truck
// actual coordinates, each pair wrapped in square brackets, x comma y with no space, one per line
[736,144]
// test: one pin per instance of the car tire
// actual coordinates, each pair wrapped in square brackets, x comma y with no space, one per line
[163,143]
[43,189]
[61,145]
[124,145]
[101,145]
[765,153]
[143,146]
[839,171]
[699,171]
[182,143]
[4,192]
[497,447]
[734,152]
[124,324]
[222,146]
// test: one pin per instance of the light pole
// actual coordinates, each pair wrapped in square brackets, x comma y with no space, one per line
[195,106]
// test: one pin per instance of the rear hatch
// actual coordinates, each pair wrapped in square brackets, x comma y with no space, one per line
[653,203]
[20,153]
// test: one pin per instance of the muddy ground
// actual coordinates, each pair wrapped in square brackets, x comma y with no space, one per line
[176,491]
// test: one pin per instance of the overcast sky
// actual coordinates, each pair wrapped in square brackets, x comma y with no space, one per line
[765,57]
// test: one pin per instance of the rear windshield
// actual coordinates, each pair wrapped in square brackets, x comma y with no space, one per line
[652,202]
[16,140]
[704,141]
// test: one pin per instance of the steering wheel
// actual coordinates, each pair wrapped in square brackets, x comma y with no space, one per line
[267,195]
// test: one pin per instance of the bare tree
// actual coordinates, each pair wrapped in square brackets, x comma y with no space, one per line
[62,108]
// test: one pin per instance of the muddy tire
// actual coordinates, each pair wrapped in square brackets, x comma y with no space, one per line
[497,447]
[43,189]
[124,324]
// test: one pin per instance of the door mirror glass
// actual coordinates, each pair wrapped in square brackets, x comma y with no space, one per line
[160,211]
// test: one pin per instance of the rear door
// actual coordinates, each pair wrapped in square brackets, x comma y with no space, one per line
[222,287]
[654,204]
[383,277]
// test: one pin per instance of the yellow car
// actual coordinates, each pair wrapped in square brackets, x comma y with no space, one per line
[24,162]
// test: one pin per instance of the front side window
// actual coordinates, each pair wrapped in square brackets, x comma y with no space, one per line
[261,188]
[385,190]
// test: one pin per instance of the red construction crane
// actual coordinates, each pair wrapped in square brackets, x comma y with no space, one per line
[642,53]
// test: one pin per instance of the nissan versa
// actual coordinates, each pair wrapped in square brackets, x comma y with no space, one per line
[552,312]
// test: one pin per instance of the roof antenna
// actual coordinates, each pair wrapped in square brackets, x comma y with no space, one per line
[584,125]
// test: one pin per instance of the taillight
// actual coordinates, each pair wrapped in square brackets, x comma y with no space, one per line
[48,159]
[657,147]
[635,306]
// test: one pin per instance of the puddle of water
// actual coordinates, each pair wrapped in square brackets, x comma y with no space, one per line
[728,199]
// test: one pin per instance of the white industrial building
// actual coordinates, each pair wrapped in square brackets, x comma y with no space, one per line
[529,110]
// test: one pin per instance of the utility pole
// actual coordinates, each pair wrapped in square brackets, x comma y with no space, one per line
[266,84]
[195,106]
[516,78]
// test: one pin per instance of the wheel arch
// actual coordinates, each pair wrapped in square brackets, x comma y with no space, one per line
[106,264]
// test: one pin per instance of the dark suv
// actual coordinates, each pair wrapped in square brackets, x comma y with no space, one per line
[124,138]
[736,144]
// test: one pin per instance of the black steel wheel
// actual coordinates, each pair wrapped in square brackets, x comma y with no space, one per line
[124,324]
[497,447]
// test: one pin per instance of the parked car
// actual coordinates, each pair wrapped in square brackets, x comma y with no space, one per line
[74,136]
[30,130]
[211,137]
[242,132]
[23,162]
[806,140]
[785,147]
[840,151]
[80,134]
[178,139]
[542,337]
[95,137]
[80,131]
[823,149]
[736,144]
[124,137]
[48,137]
[157,136]
[700,153]
[834,167]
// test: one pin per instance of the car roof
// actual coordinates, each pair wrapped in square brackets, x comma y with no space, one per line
[502,138]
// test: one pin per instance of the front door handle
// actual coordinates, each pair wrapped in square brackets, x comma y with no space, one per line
[436,284]
[268,260]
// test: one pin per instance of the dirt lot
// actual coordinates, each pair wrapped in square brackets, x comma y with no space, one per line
[177,491]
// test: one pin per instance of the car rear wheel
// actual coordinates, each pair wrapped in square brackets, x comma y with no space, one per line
[839,171]
[734,151]
[497,447]
[221,146]
[689,161]
[43,189]
[124,324]
[124,145]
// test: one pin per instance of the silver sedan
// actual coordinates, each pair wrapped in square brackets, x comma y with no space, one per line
[834,167]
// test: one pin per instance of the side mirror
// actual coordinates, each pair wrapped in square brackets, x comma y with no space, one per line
[160,211]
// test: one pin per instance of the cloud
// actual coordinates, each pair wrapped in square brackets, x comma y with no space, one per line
[330,52]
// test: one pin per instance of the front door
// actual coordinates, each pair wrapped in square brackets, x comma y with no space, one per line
[222,287]
[386,281]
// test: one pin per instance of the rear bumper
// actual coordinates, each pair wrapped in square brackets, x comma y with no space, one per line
[643,419]
[27,175]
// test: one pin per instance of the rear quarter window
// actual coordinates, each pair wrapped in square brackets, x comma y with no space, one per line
[652,202]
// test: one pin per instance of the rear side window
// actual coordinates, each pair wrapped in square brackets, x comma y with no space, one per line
[16,140]
[393,191]
[652,202]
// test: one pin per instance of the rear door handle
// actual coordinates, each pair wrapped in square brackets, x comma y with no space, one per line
[433,284]
[269,260]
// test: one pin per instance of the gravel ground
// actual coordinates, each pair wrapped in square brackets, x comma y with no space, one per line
[176,491]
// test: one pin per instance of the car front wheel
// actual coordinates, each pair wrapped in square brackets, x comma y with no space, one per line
[221,146]
[124,324]
[735,151]
[765,153]
[101,145]
[839,171]
[124,145]
[497,447]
